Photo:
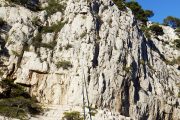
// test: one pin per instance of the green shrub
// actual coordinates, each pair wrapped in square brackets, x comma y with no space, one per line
[16,53]
[74,115]
[36,21]
[12,112]
[37,40]
[177,30]
[1,73]
[48,29]
[146,31]
[120,4]
[172,21]
[27,3]
[18,107]
[127,69]
[139,13]
[64,64]
[155,28]
[53,7]
[54,28]
[15,89]
[177,43]
[148,13]
[83,34]
[19,2]
[178,60]
[174,61]
[2,22]
[15,102]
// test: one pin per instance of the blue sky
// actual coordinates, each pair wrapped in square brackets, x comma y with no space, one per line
[161,8]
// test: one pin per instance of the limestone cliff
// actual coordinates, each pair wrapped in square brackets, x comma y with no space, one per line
[97,57]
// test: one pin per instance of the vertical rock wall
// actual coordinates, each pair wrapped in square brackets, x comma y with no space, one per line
[113,65]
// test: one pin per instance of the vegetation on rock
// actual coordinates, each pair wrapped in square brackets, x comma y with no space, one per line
[37,40]
[177,43]
[177,30]
[146,31]
[120,4]
[16,53]
[53,7]
[30,4]
[155,28]
[15,102]
[64,64]
[92,110]
[2,22]
[139,13]
[174,61]
[53,28]
[172,21]
[74,115]
[68,46]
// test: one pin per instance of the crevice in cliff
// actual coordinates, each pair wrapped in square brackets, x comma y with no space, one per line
[89,76]
[144,56]
[135,80]
[178,68]
[122,56]
[4,51]
[94,7]
[104,83]
[124,108]
[96,54]
[10,73]
[20,57]
[98,23]
[24,85]
[4,29]
[110,52]
[153,47]
[39,72]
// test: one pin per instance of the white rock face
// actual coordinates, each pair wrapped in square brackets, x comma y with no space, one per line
[108,61]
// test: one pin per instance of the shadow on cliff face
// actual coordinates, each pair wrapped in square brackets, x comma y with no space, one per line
[124,109]
[178,68]
[135,80]
[96,54]
[144,56]
[3,50]
[153,47]
[95,7]
[32,5]
[4,28]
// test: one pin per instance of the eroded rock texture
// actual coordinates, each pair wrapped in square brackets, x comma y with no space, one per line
[100,54]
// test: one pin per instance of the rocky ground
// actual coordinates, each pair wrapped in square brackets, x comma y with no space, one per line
[94,55]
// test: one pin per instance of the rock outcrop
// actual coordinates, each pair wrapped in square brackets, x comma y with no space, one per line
[101,58]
